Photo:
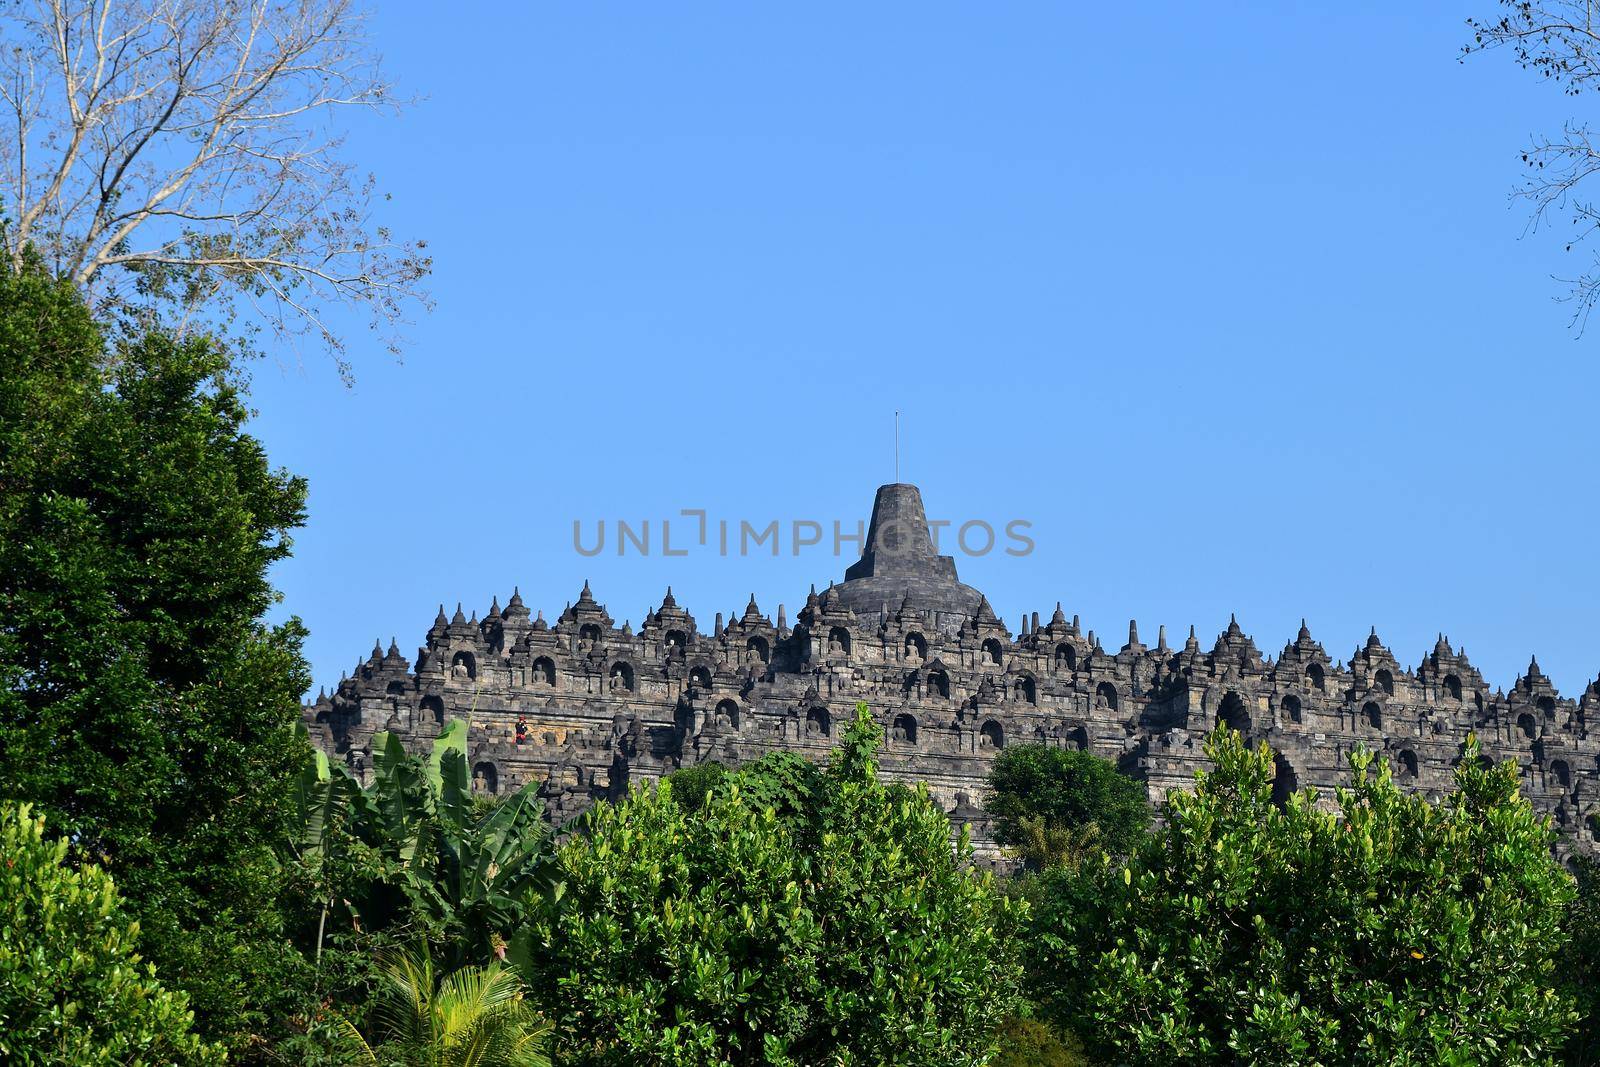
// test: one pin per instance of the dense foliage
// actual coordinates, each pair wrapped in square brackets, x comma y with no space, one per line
[414,857]
[1027,1042]
[1052,805]
[145,706]
[1394,931]
[1581,967]
[847,930]
[691,785]
[73,990]
[783,781]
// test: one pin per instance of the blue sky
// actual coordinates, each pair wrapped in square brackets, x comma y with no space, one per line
[1227,301]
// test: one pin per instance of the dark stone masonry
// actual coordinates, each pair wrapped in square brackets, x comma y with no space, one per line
[586,710]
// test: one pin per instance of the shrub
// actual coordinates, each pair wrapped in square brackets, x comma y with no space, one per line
[691,785]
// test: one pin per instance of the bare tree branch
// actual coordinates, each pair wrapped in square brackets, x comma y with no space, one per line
[1560,41]
[171,157]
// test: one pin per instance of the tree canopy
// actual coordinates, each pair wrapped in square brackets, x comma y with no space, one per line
[473,1017]
[1388,931]
[179,161]
[847,929]
[1052,802]
[73,989]
[146,706]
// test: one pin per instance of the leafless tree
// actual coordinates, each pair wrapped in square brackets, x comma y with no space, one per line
[181,159]
[1559,40]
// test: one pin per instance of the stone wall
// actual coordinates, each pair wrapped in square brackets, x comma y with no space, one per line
[586,709]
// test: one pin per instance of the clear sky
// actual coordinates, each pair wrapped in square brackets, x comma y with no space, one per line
[1228,301]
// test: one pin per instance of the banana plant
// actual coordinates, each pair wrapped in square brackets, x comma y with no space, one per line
[325,806]
[431,852]
[488,865]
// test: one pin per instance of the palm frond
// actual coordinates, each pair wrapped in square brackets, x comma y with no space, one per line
[473,1017]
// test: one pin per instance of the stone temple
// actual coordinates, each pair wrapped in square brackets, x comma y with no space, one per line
[585,709]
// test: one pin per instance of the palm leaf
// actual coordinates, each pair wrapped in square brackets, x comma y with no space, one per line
[474,1017]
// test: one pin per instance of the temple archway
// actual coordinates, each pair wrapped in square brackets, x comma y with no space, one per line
[1284,780]
[1373,714]
[904,730]
[818,722]
[1027,689]
[992,736]
[622,676]
[1233,714]
[1560,774]
[1315,678]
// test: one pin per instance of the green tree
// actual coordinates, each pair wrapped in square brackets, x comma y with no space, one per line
[1055,805]
[691,785]
[846,930]
[1392,931]
[786,782]
[145,704]
[473,1017]
[72,989]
